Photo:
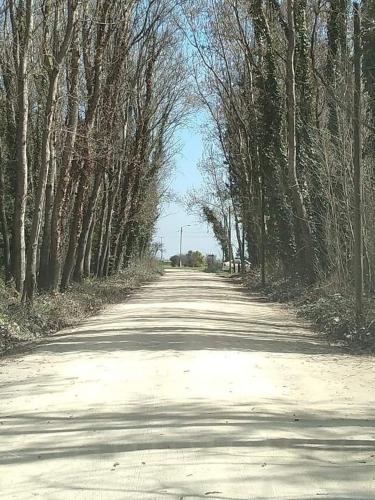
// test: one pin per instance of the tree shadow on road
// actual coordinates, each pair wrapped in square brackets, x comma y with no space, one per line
[175,329]
[176,315]
[265,440]
[304,447]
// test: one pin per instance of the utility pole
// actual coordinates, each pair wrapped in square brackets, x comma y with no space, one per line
[181,246]
[357,164]
[161,248]
[182,227]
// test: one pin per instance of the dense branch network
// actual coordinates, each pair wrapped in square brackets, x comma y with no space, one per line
[91,94]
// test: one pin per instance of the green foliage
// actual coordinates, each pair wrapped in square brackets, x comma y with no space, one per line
[175,260]
[194,259]
[191,259]
[272,149]
[218,228]
[213,265]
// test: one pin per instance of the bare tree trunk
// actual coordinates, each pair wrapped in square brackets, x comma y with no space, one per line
[53,77]
[86,224]
[88,252]
[121,231]
[357,148]
[58,222]
[263,233]
[232,262]
[75,231]
[93,72]
[8,172]
[102,228]
[112,196]
[4,228]
[240,243]
[31,269]
[119,249]
[44,265]
[22,20]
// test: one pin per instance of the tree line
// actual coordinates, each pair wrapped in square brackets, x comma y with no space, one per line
[90,96]
[289,90]
[194,258]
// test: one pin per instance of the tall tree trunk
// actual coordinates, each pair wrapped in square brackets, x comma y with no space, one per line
[112,196]
[59,216]
[93,72]
[304,235]
[88,252]
[86,224]
[53,78]
[75,231]
[120,248]
[102,228]
[368,16]
[31,269]
[357,149]
[4,227]
[44,265]
[263,232]
[22,20]
[271,149]
[337,52]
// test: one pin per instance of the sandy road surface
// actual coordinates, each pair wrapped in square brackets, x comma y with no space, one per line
[190,390]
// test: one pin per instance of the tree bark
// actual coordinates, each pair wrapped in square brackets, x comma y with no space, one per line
[22,22]
[88,252]
[58,222]
[75,231]
[357,158]
[53,76]
[112,196]
[44,265]
[86,224]
[31,267]
[102,228]
[5,228]
[304,235]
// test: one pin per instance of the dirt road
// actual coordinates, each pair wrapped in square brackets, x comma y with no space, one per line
[191,390]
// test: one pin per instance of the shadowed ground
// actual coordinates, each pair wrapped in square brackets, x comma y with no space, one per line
[190,390]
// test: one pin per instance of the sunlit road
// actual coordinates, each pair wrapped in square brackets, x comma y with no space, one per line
[191,390]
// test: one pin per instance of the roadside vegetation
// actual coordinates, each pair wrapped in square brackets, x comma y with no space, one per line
[289,159]
[91,94]
[20,324]
[330,310]
[191,259]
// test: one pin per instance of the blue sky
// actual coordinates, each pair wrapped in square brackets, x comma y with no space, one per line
[185,177]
